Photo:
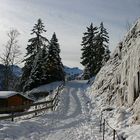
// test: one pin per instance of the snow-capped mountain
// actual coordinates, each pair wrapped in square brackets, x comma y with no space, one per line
[17,72]
[72,73]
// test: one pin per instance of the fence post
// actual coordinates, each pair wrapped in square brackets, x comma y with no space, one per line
[101,123]
[104,129]
[54,107]
[12,116]
[56,102]
[35,110]
[52,104]
[114,131]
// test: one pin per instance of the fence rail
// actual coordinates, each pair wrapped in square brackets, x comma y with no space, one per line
[51,104]
[103,125]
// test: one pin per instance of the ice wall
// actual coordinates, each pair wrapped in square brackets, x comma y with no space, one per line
[119,79]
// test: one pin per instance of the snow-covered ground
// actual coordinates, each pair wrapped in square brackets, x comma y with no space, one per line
[71,120]
[76,118]
[119,118]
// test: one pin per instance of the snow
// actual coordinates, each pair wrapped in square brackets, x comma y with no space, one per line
[117,85]
[119,79]
[6,94]
[77,117]
[68,122]
[46,88]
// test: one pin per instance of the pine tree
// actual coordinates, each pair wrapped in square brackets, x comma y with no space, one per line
[36,44]
[86,73]
[95,50]
[103,43]
[89,51]
[54,66]
[36,72]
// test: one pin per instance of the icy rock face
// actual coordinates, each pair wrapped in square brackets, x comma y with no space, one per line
[118,82]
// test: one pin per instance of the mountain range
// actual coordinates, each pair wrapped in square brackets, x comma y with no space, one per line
[71,73]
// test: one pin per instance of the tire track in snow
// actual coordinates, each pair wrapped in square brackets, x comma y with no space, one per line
[72,112]
[74,106]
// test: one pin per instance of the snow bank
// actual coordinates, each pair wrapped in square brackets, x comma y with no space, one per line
[46,88]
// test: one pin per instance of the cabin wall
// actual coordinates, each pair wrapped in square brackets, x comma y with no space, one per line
[15,100]
[3,103]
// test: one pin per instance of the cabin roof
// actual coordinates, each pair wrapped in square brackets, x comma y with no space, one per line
[7,94]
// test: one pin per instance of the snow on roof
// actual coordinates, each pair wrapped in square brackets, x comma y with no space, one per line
[6,94]
[46,88]
[26,96]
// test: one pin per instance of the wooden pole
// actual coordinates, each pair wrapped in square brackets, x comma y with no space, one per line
[12,116]
[114,131]
[35,110]
[101,123]
[104,130]
[52,104]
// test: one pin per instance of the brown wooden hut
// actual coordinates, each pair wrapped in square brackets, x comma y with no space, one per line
[10,99]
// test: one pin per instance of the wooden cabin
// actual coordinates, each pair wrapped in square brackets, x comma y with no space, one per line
[9,99]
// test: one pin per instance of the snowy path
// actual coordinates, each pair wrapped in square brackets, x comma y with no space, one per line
[71,121]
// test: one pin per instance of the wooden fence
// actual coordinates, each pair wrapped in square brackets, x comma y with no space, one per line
[38,107]
[103,129]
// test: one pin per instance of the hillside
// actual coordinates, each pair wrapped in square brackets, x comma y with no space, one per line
[117,85]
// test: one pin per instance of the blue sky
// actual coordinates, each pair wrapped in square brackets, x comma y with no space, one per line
[69,19]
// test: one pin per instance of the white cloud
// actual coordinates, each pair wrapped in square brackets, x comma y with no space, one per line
[68,18]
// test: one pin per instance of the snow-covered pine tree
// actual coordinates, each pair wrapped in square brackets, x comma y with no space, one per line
[35,78]
[86,73]
[54,67]
[36,43]
[95,50]
[89,52]
[44,64]
[103,43]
